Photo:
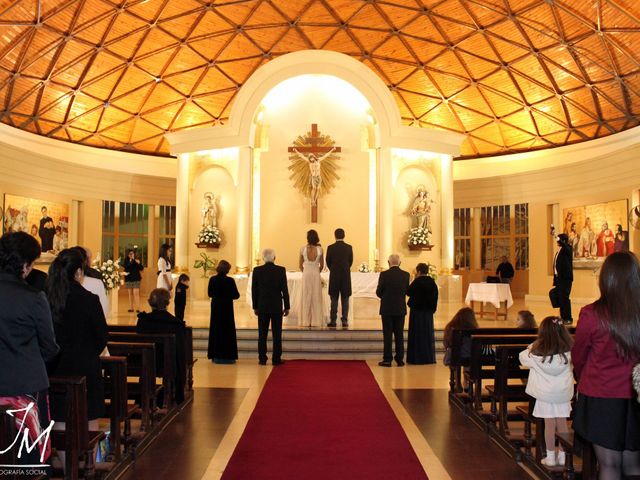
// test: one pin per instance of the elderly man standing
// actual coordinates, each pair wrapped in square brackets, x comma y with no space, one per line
[392,291]
[270,297]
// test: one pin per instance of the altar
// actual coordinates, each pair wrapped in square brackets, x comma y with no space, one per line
[363,286]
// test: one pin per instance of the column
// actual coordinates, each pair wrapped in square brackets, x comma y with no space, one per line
[385,202]
[446,211]
[243,216]
[182,213]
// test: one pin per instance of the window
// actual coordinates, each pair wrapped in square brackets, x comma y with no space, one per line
[462,238]
[495,236]
[167,232]
[521,236]
[125,226]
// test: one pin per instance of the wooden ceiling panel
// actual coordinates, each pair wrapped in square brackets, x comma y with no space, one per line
[518,74]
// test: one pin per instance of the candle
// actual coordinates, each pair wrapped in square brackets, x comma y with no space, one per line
[376,257]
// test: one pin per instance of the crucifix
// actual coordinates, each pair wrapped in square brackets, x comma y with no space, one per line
[313,148]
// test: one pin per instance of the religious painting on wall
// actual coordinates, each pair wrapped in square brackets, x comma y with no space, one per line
[596,231]
[47,222]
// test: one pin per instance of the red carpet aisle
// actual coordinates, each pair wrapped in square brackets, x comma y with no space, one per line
[319,420]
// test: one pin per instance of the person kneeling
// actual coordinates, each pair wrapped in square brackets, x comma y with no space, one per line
[161,321]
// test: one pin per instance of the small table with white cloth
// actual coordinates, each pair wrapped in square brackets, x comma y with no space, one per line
[497,294]
[363,285]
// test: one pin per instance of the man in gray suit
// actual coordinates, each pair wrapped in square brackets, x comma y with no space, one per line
[392,291]
[339,261]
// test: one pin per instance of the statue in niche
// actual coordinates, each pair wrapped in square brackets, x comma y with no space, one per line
[209,211]
[421,208]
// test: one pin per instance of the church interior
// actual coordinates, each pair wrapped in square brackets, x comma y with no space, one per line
[461,135]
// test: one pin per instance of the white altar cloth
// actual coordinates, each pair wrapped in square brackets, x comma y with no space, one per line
[493,293]
[363,285]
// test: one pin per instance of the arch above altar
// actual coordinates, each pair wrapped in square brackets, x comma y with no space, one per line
[392,154]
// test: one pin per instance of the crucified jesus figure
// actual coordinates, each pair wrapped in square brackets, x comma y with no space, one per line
[314,170]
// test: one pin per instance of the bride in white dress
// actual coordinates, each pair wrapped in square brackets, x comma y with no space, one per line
[311,264]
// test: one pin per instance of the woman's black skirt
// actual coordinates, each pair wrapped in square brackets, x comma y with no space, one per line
[613,423]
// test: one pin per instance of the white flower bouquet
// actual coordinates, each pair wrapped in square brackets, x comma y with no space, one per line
[364,268]
[209,234]
[111,276]
[433,272]
[419,236]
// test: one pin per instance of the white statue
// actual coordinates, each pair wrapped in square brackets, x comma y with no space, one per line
[421,208]
[209,211]
[314,170]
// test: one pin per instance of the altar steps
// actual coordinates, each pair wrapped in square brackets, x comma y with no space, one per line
[315,344]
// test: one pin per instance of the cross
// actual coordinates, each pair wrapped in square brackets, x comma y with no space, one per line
[318,151]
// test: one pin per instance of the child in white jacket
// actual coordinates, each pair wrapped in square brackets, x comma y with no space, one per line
[550,382]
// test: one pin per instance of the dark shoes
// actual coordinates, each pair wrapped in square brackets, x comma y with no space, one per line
[400,363]
[262,362]
[568,322]
[384,364]
[130,310]
[345,324]
[278,362]
[331,324]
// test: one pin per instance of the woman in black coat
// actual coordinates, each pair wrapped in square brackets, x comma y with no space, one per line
[223,347]
[80,328]
[161,321]
[423,301]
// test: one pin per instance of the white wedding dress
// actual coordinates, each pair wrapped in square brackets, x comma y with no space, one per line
[311,305]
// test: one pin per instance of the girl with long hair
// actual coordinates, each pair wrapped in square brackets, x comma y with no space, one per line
[550,382]
[81,333]
[164,268]
[606,348]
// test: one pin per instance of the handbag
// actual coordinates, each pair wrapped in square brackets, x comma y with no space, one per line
[554,297]
[447,357]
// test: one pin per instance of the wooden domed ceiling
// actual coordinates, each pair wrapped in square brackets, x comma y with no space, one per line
[512,75]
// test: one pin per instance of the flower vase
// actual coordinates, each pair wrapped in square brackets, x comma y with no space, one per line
[112,299]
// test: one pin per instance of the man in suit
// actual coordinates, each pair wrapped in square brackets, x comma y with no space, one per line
[505,270]
[392,291]
[268,293]
[339,261]
[563,276]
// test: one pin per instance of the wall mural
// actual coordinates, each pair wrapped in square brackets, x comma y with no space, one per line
[47,222]
[596,231]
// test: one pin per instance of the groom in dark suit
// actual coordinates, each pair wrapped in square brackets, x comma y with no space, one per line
[339,261]
[392,291]
[268,293]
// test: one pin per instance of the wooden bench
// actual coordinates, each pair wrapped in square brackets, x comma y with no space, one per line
[76,440]
[188,348]
[117,407]
[165,349]
[459,337]
[141,364]
[482,366]
[589,462]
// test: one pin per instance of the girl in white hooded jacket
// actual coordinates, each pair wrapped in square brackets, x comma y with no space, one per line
[550,382]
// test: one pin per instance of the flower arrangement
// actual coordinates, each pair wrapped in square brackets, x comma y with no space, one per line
[419,236]
[432,272]
[111,276]
[210,235]
[364,268]
[206,264]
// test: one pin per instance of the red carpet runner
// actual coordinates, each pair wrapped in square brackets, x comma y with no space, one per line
[323,420]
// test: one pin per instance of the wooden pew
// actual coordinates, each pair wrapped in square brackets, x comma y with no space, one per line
[165,358]
[115,387]
[502,392]
[589,462]
[141,364]
[459,337]
[76,440]
[482,366]
[188,349]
